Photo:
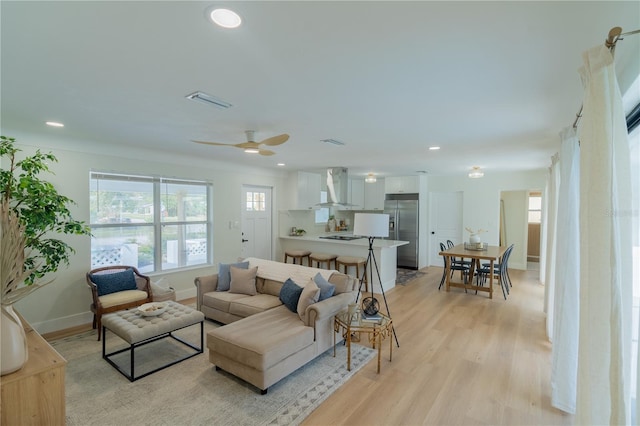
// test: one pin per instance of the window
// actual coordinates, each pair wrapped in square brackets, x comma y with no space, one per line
[256,202]
[535,207]
[152,223]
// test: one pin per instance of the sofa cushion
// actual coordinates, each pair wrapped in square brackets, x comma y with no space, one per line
[262,340]
[250,305]
[221,300]
[309,296]
[344,283]
[326,288]
[290,294]
[224,274]
[114,282]
[271,287]
[243,281]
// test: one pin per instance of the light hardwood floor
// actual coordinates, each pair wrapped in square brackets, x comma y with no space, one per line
[463,360]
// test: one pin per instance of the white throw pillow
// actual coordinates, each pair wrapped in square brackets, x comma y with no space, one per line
[310,295]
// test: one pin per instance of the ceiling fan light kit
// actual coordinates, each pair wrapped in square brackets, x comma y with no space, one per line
[251,146]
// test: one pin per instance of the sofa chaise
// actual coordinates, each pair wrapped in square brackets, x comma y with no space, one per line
[265,340]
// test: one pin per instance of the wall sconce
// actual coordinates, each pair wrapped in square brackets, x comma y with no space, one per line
[476,172]
[370,178]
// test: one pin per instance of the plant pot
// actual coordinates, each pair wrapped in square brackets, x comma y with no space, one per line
[13,342]
[474,239]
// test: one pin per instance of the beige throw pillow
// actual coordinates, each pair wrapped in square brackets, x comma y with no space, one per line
[310,295]
[243,281]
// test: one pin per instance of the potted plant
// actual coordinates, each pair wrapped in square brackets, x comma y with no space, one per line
[31,213]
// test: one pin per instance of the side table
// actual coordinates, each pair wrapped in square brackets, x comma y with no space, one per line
[377,331]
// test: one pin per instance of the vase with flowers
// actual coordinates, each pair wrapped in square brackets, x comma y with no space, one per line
[31,213]
[474,236]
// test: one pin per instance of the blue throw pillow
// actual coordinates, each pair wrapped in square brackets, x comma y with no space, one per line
[326,288]
[117,281]
[290,294]
[224,274]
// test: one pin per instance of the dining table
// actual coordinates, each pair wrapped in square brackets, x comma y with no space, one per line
[488,253]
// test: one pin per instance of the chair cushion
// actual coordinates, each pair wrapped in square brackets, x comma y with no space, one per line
[224,274]
[121,297]
[243,281]
[326,288]
[114,282]
[290,294]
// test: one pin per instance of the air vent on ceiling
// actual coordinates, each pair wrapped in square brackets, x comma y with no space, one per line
[333,141]
[208,99]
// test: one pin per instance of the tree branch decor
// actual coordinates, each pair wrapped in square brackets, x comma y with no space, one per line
[31,213]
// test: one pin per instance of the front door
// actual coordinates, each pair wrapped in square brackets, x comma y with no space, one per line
[256,222]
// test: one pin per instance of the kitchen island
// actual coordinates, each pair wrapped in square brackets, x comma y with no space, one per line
[385,252]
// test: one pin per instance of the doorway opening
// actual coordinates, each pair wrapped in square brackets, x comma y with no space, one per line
[533,223]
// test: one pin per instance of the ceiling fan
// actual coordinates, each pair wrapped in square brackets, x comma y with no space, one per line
[251,146]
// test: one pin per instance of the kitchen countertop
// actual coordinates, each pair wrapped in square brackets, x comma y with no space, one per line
[362,242]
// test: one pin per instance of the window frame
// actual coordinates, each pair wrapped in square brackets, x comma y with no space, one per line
[158,223]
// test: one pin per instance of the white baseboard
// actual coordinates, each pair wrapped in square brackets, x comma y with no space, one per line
[83,318]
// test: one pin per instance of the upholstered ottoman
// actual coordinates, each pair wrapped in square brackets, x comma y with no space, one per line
[139,330]
[262,348]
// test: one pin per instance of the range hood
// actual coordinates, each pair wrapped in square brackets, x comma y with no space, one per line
[337,187]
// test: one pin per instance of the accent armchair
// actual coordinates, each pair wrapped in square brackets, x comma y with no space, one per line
[115,288]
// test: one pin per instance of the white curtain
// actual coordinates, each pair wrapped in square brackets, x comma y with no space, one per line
[550,252]
[566,317]
[605,248]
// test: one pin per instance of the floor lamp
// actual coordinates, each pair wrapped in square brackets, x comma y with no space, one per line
[372,225]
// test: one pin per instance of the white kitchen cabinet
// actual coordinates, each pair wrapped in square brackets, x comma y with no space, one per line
[374,195]
[356,194]
[307,194]
[402,184]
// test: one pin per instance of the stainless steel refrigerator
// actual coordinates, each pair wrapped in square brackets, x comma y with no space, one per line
[403,225]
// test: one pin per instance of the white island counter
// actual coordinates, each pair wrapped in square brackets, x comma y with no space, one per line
[385,252]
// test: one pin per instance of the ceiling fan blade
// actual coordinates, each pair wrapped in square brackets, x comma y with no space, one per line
[245,145]
[276,140]
[212,143]
[266,152]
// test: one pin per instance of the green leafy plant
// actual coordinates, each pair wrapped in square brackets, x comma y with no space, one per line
[32,212]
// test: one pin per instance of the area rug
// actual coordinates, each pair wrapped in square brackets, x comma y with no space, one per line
[405,276]
[191,392]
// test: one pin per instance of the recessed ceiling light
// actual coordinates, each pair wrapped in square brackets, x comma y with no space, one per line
[281,164]
[54,124]
[434,148]
[251,150]
[225,18]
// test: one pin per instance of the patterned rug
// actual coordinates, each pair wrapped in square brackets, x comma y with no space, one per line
[405,276]
[191,392]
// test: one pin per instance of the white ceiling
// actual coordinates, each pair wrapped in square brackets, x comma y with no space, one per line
[491,83]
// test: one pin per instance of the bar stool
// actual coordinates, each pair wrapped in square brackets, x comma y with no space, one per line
[356,262]
[321,258]
[297,254]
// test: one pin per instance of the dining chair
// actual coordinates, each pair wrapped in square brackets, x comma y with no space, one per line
[496,265]
[464,270]
[500,273]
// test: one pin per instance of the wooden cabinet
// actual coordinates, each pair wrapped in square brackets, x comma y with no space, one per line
[307,191]
[374,195]
[34,395]
[402,185]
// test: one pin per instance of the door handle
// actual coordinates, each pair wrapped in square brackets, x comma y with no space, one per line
[244,241]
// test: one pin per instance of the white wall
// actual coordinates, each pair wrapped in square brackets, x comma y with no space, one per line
[481,200]
[65,302]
